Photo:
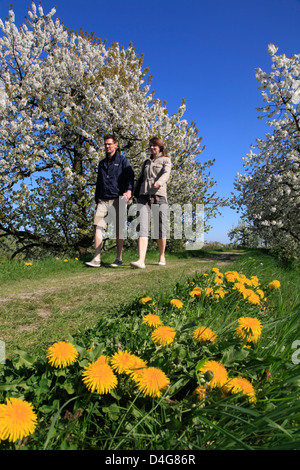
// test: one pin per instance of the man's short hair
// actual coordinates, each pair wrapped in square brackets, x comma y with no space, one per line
[110,136]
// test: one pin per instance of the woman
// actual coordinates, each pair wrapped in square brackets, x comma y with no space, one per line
[151,187]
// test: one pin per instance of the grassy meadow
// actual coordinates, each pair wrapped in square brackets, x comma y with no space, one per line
[198,355]
[46,300]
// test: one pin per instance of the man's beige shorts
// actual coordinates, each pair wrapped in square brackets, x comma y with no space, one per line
[107,211]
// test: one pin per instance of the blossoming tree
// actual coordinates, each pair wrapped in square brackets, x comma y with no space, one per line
[60,92]
[269,191]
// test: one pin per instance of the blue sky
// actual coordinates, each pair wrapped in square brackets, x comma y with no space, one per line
[203,51]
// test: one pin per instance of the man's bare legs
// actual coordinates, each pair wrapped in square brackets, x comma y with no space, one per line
[96,261]
[98,242]
[119,248]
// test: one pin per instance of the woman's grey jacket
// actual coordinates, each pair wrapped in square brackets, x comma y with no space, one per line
[155,171]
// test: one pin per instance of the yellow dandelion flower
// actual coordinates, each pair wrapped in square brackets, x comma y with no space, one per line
[219,373]
[121,361]
[239,286]
[215,270]
[152,320]
[99,377]
[209,291]
[195,292]
[17,419]
[203,334]
[218,280]
[274,284]
[260,293]
[248,282]
[255,281]
[254,298]
[65,260]
[241,385]
[249,329]
[28,264]
[246,293]
[145,300]
[163,335]
[177,303]
[251,296]
[232,276]
[152,381]
[220,293]
[136,367]
[200,392]
[61,354]
[102,359]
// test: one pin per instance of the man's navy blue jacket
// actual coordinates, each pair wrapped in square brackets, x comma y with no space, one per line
[115,179]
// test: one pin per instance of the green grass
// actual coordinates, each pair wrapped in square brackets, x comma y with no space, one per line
[101,313]
[51,298]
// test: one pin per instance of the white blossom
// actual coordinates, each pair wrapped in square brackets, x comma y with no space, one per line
[268,194]
[63,92]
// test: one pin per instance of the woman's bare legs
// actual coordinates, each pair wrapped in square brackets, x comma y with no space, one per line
[142,245]
[162,248]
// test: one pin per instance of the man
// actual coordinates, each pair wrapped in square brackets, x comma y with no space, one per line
[114,187]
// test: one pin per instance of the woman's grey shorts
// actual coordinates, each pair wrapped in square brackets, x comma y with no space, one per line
[153,214]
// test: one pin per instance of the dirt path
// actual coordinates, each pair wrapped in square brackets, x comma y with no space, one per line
[29,289]
[36,312]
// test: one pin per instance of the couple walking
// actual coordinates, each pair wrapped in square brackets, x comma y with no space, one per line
[115,184]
